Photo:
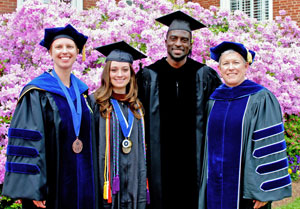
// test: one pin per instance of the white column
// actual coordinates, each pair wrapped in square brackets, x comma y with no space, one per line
[270,9]
[78,4]
[19,3]
[225,4]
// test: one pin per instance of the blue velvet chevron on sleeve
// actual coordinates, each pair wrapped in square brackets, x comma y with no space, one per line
[24,134]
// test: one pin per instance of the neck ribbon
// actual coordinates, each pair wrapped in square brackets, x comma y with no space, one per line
[126,127]
[76,115]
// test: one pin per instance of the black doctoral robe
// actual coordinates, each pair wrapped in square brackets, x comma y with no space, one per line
[174,101]
[41,164]
[132,166]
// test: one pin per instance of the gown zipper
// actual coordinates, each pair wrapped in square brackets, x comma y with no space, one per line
[177,89]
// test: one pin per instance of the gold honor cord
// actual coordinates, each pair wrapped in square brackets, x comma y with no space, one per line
[106,186]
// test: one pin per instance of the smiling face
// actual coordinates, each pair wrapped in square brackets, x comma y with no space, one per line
[119,75]
[178,44]
[64,53]
[233,68]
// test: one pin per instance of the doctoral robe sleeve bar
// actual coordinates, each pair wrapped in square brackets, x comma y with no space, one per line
[26,166]
[266,176]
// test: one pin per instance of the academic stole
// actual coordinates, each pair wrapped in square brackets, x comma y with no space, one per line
[109,187]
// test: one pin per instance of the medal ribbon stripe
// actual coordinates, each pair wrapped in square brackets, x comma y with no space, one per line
[125,126]
[76,114]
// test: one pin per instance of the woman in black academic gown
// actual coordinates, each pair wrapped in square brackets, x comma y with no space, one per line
[50,157]
[119,119]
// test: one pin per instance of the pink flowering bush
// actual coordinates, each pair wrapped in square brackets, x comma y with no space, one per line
[276,43]
[292,138]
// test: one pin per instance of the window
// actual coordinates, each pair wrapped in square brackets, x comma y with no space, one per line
[75,3]
[259,9]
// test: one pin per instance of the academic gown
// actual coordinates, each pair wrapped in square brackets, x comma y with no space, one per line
[41,164]
[245,151]
[174,101]
[132,166]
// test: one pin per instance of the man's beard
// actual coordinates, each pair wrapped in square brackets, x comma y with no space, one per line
[178,59]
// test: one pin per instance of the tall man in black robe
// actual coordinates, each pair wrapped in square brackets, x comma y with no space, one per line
[174,91]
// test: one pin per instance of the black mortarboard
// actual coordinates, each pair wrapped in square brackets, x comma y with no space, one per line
[121,52]
[51,34]
[215,52]
[180,21]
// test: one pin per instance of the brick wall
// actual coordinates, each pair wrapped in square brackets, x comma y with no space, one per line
[292,8]
[207,3]
[7,6]
[89,3]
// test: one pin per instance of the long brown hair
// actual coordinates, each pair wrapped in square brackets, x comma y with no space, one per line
[104,92]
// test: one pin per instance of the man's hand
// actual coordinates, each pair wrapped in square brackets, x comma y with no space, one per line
[258,204]
[40,204]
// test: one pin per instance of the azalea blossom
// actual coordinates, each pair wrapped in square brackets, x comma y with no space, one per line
[276,43]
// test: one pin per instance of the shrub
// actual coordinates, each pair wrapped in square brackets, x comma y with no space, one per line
[276,43]
[292,137]
[8,203]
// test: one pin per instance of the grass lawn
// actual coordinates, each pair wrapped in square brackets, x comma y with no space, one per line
[293,205]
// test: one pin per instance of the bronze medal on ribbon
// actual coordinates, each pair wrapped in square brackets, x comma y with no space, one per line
[77,146]
[126,145]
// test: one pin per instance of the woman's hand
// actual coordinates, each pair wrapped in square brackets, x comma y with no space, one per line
[40,204]
[259,204]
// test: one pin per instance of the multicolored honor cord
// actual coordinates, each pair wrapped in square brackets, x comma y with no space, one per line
[116,154]
[126,127]
[114,133]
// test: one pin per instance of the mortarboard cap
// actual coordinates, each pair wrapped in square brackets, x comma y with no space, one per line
[51,34]
[120,52]
[180,21]
[215,52]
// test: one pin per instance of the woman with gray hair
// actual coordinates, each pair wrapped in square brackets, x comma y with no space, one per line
[245,164]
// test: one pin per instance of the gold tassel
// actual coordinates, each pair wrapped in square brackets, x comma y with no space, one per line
[83,54]
[105,190]
[249,57]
